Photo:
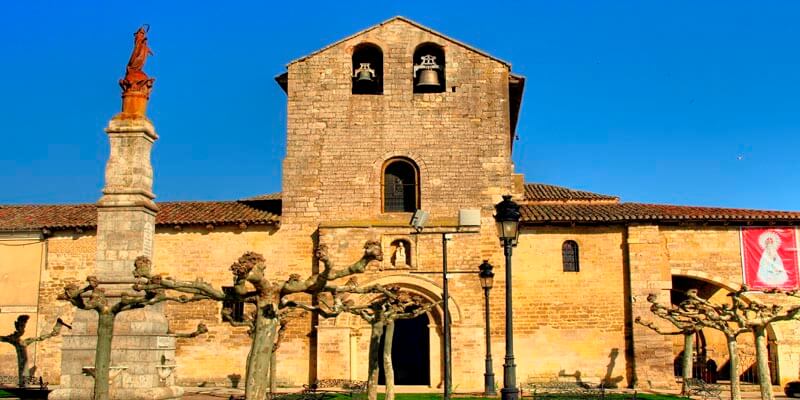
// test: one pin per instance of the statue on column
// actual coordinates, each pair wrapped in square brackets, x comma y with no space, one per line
[136,85]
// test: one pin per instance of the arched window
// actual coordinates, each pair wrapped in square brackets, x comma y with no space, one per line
[429,64]
[569,255]
[367,69]
[400,186]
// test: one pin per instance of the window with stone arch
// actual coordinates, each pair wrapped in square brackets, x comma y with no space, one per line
[367,69]
[429,65]
[569,256]
[400,185]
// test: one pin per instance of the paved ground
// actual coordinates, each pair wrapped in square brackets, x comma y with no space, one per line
[212,393]
[217,393]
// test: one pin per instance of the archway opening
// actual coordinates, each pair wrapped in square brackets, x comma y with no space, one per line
[710,356]
[410,352]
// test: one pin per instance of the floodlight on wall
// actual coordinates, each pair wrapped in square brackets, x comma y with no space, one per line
[419,219]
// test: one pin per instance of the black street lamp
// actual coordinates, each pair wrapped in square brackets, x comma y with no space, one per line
[507,217]
[487,281]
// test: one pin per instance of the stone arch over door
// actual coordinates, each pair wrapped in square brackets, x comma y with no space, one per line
[346,337]
[714,351]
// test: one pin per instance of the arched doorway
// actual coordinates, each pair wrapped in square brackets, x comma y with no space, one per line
[410,352]
[710,356]
[420,337]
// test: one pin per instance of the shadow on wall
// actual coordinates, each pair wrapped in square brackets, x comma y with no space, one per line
[607,381]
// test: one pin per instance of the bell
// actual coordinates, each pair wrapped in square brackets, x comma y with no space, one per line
[364,73]
[364,76]
[428,77]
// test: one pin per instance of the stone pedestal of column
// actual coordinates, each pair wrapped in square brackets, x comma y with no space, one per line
[143,354]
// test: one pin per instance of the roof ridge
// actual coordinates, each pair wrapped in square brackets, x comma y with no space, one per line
[408,21]
[709,207]
[47,205]
[535,191]
[558,213]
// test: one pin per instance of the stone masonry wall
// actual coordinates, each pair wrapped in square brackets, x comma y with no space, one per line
[197,253]
[337,142]
[70,258]
[649,274]
[337,146]
[565,322]
[184,254]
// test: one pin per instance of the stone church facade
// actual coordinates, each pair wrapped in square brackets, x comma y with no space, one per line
[361,155]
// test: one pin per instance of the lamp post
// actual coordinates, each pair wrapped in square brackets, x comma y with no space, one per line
[487,281]
[418,221]
[507,217]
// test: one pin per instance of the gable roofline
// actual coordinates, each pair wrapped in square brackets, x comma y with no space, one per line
[410,22]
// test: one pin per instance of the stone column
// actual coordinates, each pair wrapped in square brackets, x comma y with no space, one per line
[649,273]
[143,353]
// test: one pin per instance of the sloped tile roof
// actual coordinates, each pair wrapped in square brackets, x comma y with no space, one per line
[542,205]
[536,192]
[212,212]
[70,216]
[34,217]
[261,197]
[638,212]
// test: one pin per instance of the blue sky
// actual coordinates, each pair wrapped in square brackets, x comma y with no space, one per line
[679,102]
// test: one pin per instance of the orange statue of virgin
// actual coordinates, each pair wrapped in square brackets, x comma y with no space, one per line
[136,85]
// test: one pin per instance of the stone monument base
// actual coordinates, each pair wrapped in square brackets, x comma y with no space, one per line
[164,393]
[142,358]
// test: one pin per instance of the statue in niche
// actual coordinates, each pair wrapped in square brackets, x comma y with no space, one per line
[400,255]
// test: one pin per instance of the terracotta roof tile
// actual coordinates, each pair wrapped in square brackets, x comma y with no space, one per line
[69,216]
[543,204]
[212,212]
[638,212]
[268,196]
[540,192]
[33,217]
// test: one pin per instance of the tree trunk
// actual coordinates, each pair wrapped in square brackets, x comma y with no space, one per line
[273,366]
[762,355]
[102,357]
[688,349]
[22,363]
[258,360]
[388,369]
[374,356]
[736,394]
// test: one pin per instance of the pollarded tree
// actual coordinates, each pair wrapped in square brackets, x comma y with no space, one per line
[251,286]
[740,316]
[21,345]
[687,326]
[93,297]
[709,315]
[757,316]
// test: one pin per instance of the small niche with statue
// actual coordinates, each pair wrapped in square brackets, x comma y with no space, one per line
[400,254]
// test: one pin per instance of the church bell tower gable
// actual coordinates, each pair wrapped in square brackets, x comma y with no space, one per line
[424,99]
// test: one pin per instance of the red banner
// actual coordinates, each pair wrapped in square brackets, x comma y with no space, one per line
[769,258]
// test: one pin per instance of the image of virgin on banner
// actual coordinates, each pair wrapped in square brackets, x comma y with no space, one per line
[769,258]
